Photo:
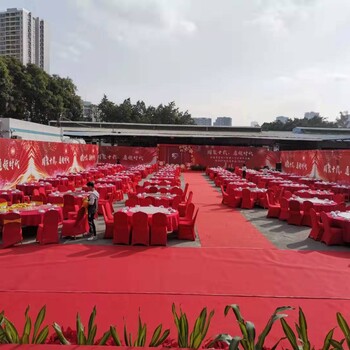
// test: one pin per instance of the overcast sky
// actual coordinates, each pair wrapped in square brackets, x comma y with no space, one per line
[251,60]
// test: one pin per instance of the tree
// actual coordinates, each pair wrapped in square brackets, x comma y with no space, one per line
[343,120]
[6,88]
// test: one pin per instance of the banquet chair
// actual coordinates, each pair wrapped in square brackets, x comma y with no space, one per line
[38,200]
[146,184]
[69,205]
[295,213]
[56,200]
[163,183]
[183,205]
[48,230]
[71,185]
[139,189]
[161,202]
[230,199]
[140,229]
[159,229]
[11,230]
[331,235]
[147,201]
[185,191]
[317,227]
[132,195]
[77,227]
[42,192]
[3,202]
[273,209]
[307,205]
[153,189]
[247,200]
[36,192]
[176,201]
[109,223]
[189,214]
[163,190]
[109,210]
[187,229]
[62,188]
[284,213]
[132,202]
[121,228]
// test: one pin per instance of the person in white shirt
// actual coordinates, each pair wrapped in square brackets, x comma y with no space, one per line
[92,209]
[244,171]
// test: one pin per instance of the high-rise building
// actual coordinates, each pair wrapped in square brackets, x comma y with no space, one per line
[24,37]
[311,115]
[203,121]
[282,119]
[223,121]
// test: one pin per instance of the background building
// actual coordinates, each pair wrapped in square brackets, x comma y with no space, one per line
[223,121]
[255,124]
[311,115]
[203,121]
[24,37]
[91,112]
[282,119]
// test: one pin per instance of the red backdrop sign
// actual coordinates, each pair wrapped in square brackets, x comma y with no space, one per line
[299,162]
[22,161]
[225,156]
[128,156]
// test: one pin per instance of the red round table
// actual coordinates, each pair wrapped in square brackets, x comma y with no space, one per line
[79,196]
[13,196]
[319,204]
[172,215]
[29,187]
[294,187]
[342,220]
[314,193]
[158,196]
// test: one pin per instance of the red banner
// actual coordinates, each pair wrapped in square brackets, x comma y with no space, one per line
[299,162]
[128,156]
[22,161]
[225,156]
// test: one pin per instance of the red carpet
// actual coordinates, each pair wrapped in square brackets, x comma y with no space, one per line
[119,280]
[234,265]
[219,225]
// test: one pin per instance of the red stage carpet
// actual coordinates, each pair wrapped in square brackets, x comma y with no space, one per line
[219,225]
[120,280]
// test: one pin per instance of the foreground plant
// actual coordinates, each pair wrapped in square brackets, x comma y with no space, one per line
[248,339]
[158,337]
[200,328]
[81,337]
[302,341]
[10,335]
[346,331]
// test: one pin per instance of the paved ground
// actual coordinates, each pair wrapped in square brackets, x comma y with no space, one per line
[282,235]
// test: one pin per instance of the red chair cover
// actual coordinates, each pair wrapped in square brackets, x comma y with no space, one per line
[122,228]
[109,224]
[48,230]
[159,229]
[140,229]
[189,214]
[12,230]
[332,235]
[176,201]
[284,213]
[185,192]
[295,214]
[69,205]
[187,229]
[247,200]
[132,202]
[79,226]
[307,205]
[146,202]
[274,210]
[317,227]
[182,206]
[153,189]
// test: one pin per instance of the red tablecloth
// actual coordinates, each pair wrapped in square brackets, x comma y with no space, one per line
[28,188]
[78,196]
[341,189]
[118,183]
[157,196]
[233,185]
[293,187]
[172,218]
[313,193]
[319,204]
[255,193]
[33,217]
[341,220]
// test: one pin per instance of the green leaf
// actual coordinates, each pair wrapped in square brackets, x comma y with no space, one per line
[303,330]
[344,327]
[251,334]
[81,339]
[105,338]
[60,335]
[205,329]
[91,336]
[337,345]
[27,328]
[275,346]
[38,322]
[234,344]
[236,311]
[156,335]
[162,338]
[126,338]
[42,336]
[91,323]
[327,340]
[275,317]
[11,332]
[115,336]
[289,334]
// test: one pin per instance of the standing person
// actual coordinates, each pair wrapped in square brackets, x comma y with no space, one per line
[92,209]
[244,171]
